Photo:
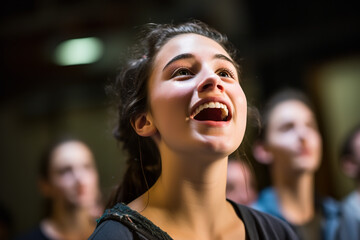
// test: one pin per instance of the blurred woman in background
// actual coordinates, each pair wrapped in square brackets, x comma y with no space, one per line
[291,144]
[70,183]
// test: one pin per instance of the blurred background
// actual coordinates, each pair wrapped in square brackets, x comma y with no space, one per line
[47,90]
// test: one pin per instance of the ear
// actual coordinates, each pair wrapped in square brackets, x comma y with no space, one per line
[143,125]
[261,154]
[349,166]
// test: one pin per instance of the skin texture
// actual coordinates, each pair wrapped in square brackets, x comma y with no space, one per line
[188,200]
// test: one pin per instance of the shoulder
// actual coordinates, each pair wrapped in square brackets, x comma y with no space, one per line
[111,229]
[351,200]
[34,234]
[260,225]
[350,208]
[330,208]
[268,203]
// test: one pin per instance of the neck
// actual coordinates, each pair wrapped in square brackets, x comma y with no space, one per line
[201,183]
[296,197]
[190,192]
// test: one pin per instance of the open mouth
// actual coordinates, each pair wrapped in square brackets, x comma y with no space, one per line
[211,111]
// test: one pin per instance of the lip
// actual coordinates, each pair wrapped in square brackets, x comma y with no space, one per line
[212,99]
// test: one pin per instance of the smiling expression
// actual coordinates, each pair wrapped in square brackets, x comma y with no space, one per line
[195,99]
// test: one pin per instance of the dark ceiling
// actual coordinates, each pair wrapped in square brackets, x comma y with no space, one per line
[279,39]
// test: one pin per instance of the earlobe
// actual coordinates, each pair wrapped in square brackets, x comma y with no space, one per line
[143,125]
[261,154]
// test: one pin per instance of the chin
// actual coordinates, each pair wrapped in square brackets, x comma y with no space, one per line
[221,148]
[305,169]
[307,165]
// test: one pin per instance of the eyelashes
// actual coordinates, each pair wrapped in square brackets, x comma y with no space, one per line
[224,72]
[181,72]
[184,72]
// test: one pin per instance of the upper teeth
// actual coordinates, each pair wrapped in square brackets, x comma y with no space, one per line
[223,107]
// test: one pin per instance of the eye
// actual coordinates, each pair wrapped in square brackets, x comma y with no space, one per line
[181,72]
[64,171]
[225,73]
[286,127]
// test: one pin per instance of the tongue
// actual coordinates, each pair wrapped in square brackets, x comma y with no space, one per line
[209,114]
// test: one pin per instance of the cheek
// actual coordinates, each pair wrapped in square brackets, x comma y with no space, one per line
[92,180]
[63,182]
[241,106]
[169,103]
[281,142]
[317,142]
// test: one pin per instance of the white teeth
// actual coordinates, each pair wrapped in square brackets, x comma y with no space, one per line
[223,107]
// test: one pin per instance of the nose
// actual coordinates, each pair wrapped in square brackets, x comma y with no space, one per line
[303,134]
[210,83]
[79,175]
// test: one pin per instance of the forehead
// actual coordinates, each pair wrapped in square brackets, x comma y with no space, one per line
[189,43]
[71,153]
[290,110]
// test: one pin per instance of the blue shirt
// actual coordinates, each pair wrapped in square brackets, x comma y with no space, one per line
[350,218]
[268,202]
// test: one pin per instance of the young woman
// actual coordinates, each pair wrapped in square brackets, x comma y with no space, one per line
[182,111]
[291,144]
[69,182]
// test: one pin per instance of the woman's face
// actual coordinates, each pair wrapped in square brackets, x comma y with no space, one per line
[72,175]
[292,137]
[195,98]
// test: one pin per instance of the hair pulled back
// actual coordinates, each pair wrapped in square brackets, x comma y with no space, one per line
[131,96]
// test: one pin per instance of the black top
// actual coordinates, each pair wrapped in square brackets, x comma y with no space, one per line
[121,222]
[34,234]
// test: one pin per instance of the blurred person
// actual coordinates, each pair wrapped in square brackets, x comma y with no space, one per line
[291,144]
[240,182]
[179,103]
[69,182]
[350,206]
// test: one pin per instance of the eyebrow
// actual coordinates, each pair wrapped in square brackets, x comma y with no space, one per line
[178,57]
[189,55]
[222,56]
